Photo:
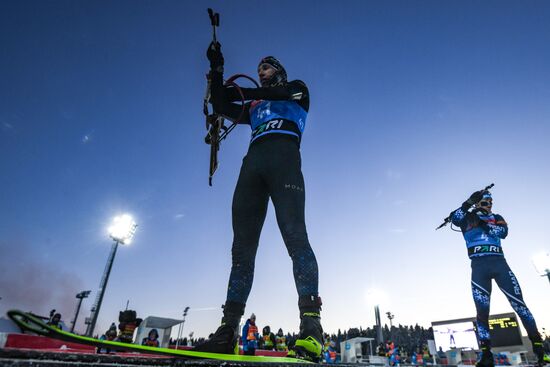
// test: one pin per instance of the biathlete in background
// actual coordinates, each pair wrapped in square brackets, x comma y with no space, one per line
[276,113]
[483,231]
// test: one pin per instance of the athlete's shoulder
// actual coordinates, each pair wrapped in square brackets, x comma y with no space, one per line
[298,83]
[298,90]
[499,219]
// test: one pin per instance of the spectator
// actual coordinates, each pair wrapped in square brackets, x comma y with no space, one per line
[280,341]
[152,339]
[110,335]
[55,321]
[441,354]
[267,342]
[250,336]
[330,351]
[381,350]
[128,322]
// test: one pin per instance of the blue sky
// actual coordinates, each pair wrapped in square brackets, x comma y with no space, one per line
[414,105]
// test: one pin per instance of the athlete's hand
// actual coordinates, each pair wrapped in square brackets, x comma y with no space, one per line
[214,55]
[483,225]
[475,197]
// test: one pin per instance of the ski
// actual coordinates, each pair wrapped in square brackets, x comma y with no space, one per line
[30,323]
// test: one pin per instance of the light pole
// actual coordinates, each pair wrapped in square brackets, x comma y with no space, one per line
[122,231]
[379,334]
[542,264]
[377,297]
[80,297]
[180,329]
[390,317]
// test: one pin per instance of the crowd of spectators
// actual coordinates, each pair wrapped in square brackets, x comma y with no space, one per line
[409,339]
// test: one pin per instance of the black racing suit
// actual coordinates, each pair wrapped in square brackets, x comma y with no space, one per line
[270,169]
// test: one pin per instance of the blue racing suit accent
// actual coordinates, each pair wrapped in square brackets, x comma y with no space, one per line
[280,117]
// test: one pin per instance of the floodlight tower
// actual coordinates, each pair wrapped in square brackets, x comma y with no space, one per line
[390,317]
[375,296]
[542,264]
[181,326]
[122,231]
[80,296]
[379,334]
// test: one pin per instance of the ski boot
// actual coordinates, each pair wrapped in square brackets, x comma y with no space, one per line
[487,359]
[309,344]
[225,339]
[538,349]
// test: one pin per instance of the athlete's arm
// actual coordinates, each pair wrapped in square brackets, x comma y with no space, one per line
[458,217]
[222,104]
[295,90]
[499,229]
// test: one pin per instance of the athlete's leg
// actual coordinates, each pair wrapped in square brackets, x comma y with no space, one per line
[248,211]
[248,214]
[287,191]
[481,292]
[509,285]
[286,187]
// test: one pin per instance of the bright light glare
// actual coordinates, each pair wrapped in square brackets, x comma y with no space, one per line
[542,263]
[376,297]
[123,229]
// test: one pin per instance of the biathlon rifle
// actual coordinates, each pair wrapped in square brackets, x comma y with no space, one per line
[215,122]
[448,219]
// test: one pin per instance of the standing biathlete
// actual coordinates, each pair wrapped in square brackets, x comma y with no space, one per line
[483,232]
[277,113]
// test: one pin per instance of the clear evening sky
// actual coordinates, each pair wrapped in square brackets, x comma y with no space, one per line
[414,105]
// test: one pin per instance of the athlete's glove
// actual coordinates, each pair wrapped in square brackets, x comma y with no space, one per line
[482,224]
[475,197]
[215,56]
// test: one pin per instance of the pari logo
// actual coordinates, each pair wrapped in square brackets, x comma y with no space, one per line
[486,248]
[274,124]
[271,125]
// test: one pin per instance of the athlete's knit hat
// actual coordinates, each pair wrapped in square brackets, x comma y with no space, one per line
[279,76]
[487,195]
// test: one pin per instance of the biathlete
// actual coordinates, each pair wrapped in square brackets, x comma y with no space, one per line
[483,232]
[276,113]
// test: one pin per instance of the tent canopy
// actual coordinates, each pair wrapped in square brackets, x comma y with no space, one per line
[160,322]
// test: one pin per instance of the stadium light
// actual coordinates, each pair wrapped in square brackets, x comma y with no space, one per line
[121,231]
[542,264]
[390,317]
[376,296]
